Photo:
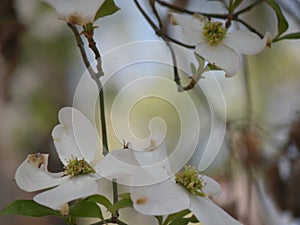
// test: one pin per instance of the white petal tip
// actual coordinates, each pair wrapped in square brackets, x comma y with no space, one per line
[57,132]
[228,75]
[269,40]
[64,113]
[37,159]
[173,21]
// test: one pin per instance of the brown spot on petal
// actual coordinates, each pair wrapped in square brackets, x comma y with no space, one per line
[37,159]
[64,210]
[141,201]
[173,21]
[75,19]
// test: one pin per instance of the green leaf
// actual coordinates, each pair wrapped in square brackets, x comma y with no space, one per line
[200,61]
[99,199]
[124,195]
[159,220]
[28,208]
[193,68]
[193,219]
[177,215]
[86,209]
[123,203]
[108,8]
[282,25]
[288,36]
[180,221]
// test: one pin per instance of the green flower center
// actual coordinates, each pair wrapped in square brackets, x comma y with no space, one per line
[190,180]
[77,167]
[214,32]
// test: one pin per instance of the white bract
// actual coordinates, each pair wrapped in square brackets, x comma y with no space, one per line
[174,193]
[76,151]
[137,167]
[216,44]
[77,12]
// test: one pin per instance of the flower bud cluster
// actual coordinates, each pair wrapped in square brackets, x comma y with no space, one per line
[214,32]
[189,178]
[77,167]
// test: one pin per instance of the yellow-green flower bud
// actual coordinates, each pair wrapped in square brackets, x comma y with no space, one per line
[189,178]
[77,167]
[214,32]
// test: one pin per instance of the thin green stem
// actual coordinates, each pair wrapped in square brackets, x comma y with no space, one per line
[103,118]
[89,34]
[95,76]
[115,196]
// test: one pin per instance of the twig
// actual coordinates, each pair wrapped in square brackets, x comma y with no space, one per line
[89,34]
[80,45]
[234,17]
[177,8]
[154,10]
[173,55]
[158,31]
[175,69]
[95,76]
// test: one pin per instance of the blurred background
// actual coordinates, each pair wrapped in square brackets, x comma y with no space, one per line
[258,165]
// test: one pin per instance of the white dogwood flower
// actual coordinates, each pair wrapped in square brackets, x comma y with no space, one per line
[77,12]
[216,44]
[184,190]
[76,149]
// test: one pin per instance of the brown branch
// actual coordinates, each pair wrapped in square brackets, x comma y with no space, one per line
[158,31]
[234,17]
[80,45]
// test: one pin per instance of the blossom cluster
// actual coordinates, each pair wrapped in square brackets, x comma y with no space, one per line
[79,179]
[214,42]
[155,189]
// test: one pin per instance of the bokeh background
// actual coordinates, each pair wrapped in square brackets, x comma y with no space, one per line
[40,67]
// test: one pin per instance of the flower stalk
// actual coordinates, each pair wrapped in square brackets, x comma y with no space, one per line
[94,75]
[89,35]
